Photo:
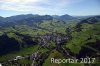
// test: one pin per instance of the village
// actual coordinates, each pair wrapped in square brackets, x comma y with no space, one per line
[38,57]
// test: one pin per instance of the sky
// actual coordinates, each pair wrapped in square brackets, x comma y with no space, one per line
[49,7]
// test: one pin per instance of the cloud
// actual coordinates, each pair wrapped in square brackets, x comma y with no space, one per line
[37,6]
[20,5]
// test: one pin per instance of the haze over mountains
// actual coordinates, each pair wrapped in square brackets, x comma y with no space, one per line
[25,16]
[30,18]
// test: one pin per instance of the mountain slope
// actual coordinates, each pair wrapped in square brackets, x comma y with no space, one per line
[64,17]
[86,38]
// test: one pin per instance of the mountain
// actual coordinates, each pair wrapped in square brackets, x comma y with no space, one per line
[28,19]
[85,40]
[18,17]
[1,19]
[89,20]
[64,17]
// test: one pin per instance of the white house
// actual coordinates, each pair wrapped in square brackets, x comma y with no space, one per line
[19,57]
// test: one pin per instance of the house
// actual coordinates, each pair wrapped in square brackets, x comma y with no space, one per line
[19,57]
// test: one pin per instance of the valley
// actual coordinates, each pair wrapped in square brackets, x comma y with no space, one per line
[32,40]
